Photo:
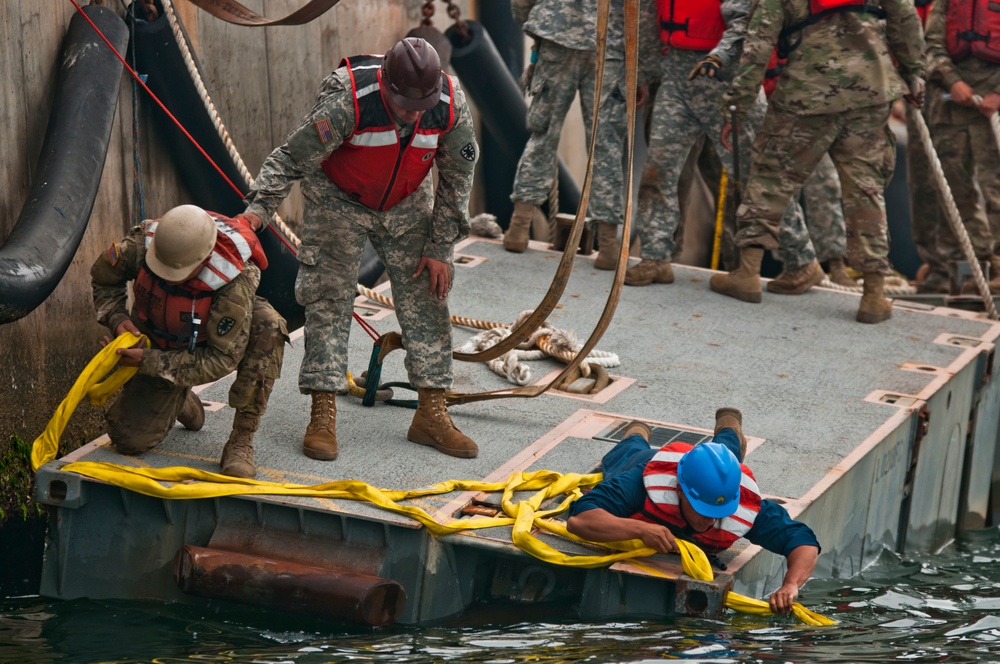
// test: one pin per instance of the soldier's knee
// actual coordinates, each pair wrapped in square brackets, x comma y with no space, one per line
[130,444]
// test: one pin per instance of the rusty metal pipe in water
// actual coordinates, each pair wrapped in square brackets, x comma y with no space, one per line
[288,586]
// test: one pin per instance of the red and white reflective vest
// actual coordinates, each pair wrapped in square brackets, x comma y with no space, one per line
[819,10]
[663,501]
[973,28]
[694,25]
[923,10]
[176,315]
[371,165]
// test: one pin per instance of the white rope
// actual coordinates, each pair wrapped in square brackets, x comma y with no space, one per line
[901,289]
[953,215]
[220,128]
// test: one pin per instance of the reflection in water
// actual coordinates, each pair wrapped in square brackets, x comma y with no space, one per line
[923,608]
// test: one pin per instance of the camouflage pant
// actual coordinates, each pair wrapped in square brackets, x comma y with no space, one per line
[148,406]
[785,153]
[559,74]
[969,159]
[823,211]
[683,112]
[332,248]
[925,211]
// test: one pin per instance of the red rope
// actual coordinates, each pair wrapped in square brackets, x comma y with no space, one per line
[364,324]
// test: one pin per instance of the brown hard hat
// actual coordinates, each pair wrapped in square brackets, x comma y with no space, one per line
[412,72]
[184,238]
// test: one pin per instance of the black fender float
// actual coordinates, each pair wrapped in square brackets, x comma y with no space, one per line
[52,222]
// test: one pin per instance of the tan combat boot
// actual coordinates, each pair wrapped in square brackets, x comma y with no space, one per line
[732,418]
[874,307]
[320,441]
[743,283]
[237,455]
[192,415]
[638,428]
[647,272]
[433,426]
[838,273]
[797,282]
[519,231]
[607,246]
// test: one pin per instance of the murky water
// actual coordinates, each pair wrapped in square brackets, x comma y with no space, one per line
[944,607]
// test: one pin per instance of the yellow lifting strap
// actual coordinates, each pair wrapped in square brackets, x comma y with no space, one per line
[524,516]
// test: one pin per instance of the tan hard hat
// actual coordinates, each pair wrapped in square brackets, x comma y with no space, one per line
[184,238]
[412,70]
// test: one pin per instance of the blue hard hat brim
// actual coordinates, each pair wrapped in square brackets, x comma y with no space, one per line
[709,510]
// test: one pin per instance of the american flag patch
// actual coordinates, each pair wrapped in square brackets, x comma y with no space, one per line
[324,131]
[113,254]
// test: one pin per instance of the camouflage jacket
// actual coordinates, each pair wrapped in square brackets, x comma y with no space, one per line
[983,77]
[844,62]
[300,159]
[228,320]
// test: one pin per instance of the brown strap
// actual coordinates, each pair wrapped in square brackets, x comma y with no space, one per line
[562,275]
[233,12]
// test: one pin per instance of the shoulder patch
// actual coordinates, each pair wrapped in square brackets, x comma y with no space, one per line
[226,324]
[469,151]
[113,254]
[324,131]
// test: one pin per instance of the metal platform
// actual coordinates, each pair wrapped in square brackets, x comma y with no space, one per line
[875,435]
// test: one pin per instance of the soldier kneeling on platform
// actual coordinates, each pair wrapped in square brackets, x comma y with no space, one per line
[702,493]
[194,279]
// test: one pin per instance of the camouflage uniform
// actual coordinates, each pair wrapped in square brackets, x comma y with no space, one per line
[253,345]
[823,211]
[925,209]
[964,142]
[427,223]
[833,96]
[685,110]
[565,33]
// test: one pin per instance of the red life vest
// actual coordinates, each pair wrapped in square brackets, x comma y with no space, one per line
[973,28]
[819,10]
[775,66]
[694,25]
[371,164]
[176,315]
[923,10]
[663,501]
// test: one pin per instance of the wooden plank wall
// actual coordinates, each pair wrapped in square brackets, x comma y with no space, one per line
[263,80]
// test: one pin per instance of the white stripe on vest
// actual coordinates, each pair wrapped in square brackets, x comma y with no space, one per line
[367,90]
[374,139]
[425,141]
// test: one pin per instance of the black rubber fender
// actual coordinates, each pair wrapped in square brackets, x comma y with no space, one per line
[52,222]
[489,83]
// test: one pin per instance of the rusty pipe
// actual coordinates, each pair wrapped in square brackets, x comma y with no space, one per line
[288,586]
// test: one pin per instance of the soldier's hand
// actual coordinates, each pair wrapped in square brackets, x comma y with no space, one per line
[130,357]
[726,135]
[991,103]
[439,273]
[709,66]
[127,326]
[659,538]
[917,89]
[251,220]
[962,94]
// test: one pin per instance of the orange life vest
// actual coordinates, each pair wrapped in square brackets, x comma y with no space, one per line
[663,501]
[819,10]
[973,28]
[694,25]
[371,164]
[176,315]
[775,66]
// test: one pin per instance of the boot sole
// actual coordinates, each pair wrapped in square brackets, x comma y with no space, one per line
[746,296]
[515,249]
[421,439]
[319,455]
[781,290]
[872,319]
[234,473]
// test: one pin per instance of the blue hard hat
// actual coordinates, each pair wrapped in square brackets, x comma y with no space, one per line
[710,477]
